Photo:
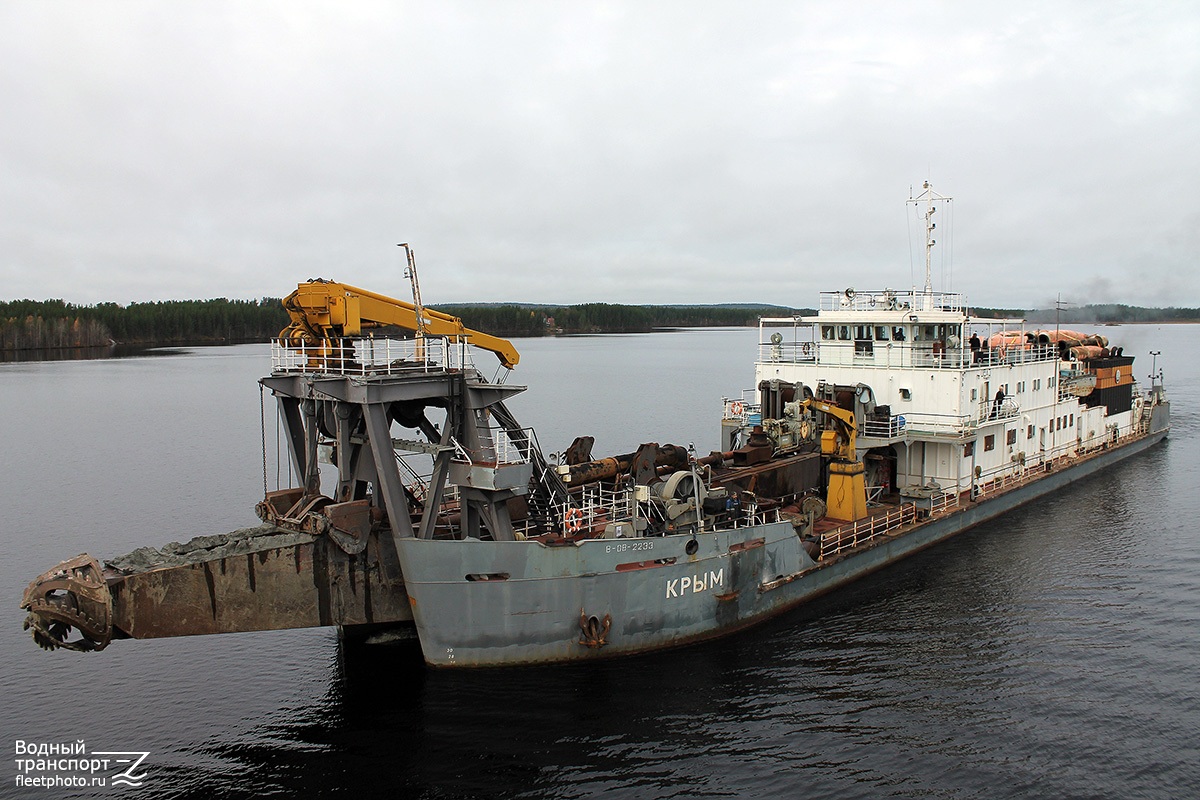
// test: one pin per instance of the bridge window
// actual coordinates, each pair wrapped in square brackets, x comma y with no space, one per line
[882,334]
[844,333]
[827,333]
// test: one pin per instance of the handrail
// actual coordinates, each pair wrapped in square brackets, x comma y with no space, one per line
[371,357]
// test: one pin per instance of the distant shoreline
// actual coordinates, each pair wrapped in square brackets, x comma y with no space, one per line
[56,327]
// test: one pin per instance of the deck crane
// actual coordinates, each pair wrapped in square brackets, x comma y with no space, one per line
[323,313]
[847,495]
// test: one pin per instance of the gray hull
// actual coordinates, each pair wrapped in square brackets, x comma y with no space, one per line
[482,603]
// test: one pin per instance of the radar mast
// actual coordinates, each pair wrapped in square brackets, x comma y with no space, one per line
[929,198]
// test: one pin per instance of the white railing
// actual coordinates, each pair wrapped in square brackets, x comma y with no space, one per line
[989,411]
[890,428]
[898,354]
[854,534]
[500,450]
[788,352]
[892,300]
[371,356]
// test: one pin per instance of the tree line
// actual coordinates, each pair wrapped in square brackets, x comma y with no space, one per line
[55,324]
[522,320]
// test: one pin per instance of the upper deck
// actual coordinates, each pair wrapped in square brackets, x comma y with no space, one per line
[896,330]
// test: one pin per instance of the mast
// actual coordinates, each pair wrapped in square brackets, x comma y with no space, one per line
[929,197]
[411,273]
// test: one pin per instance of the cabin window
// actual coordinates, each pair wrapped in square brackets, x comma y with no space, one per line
[906,394]
[974,395]
[1020,386]
[1037,384]
[1071,423]
[1029,433]
[882,334]
[989,442]
[844,333]
[968,449]
[864,347]
[1051,382]
[827,333]
[1011,436]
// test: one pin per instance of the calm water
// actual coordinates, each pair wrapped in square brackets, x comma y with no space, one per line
[1052,653]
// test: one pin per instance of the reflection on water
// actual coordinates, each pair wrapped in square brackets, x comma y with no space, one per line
[88,353]
[1047,653]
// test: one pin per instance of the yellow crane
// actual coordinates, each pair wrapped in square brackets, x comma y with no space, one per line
[847,493]
[324,311]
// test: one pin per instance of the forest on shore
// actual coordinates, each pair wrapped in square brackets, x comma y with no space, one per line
[55,324]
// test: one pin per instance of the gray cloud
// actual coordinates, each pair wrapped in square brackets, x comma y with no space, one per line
[547,152]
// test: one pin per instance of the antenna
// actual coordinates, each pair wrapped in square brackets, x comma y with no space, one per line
[411,273]
[930,198]
[1060,305]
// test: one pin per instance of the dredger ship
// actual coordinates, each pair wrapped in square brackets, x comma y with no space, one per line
[881,425]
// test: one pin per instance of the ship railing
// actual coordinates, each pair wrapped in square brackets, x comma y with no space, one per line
[946,424]
[854,534]
[991,411]
[892,300]
[593,506]
[788,352]
[899,354]
[891,428]
[371,356]
[1001,482]
[727,521]
[742,410]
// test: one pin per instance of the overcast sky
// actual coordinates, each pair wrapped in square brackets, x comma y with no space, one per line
[642,152]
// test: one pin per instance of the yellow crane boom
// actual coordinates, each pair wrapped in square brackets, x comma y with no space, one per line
[323,310]
[846,497]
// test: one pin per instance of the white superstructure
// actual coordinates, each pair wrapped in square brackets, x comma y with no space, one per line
[943,400]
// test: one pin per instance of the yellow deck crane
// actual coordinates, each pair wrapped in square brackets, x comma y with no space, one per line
[847,495]
[324,312]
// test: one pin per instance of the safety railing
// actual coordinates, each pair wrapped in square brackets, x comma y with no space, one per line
[855,534]
[1000,482]
[889,428]
[371,356]
[898,353]
[788,352]
[892,300]
[500,447]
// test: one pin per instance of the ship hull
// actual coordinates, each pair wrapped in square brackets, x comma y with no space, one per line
[489,604]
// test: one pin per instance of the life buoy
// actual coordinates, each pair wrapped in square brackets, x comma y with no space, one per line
[737,408]
[574,520]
